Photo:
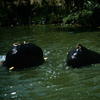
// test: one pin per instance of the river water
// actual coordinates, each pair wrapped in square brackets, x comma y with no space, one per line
[53,80]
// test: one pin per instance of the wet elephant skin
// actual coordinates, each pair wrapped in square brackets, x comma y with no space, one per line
[81,56]
[23,56]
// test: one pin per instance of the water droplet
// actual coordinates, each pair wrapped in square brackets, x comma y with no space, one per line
[30,84]
[14,96]
[50,77]
[11,86]
[47,86]
[5,94]
[13,93]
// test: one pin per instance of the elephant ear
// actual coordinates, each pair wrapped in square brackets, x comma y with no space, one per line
[82,52]
[79,46]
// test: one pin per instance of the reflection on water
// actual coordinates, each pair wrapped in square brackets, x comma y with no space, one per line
[53,80]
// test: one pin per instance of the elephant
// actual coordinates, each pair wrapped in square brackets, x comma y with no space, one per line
[81,56]
[23,56]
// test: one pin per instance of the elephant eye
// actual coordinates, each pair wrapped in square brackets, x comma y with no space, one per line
[14,51]
[74,55]
[76,49]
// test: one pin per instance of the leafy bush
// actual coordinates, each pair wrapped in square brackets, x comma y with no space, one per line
[88,16]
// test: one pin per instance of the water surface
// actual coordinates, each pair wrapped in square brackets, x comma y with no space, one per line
[53,80]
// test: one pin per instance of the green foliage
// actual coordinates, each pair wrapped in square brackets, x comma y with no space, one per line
[82,12]
[83,17]
[87,15]
[68,19]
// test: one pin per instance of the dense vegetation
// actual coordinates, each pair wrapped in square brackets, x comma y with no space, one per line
[22,12]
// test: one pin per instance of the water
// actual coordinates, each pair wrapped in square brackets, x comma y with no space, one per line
[53,80]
